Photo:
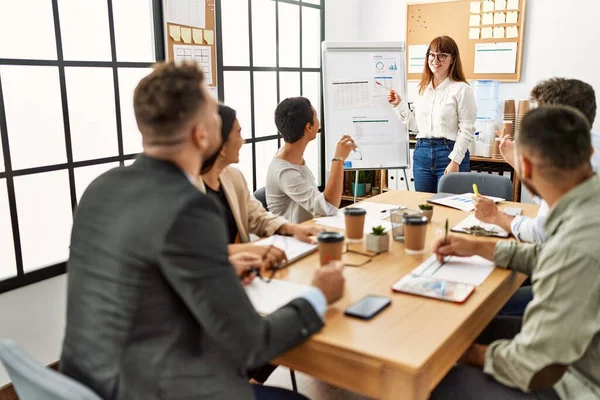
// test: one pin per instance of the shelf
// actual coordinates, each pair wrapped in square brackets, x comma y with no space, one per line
[348,197]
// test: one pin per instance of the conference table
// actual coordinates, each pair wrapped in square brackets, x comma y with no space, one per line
[403,352]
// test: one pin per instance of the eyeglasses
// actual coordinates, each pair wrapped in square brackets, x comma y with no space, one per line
[441,57]
[357,154]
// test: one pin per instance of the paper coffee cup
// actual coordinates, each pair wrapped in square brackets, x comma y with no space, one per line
[331,246]
[415,231]
[355,223]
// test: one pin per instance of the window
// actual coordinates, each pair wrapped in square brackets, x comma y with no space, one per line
[269,50]
[66,116]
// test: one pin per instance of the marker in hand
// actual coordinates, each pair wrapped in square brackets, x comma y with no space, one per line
[475,190]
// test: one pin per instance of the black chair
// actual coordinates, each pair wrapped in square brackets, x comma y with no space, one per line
[488,184]
[261,196]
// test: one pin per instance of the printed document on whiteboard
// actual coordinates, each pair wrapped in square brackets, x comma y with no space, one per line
[351,94]
[495,58]
[372,130]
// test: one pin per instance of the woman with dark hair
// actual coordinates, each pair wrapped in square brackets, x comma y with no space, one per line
[444,116]
[244,213]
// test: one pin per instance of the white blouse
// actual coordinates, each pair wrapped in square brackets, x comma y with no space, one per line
[448,111]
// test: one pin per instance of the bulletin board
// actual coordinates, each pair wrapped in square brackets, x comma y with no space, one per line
[190,34]
[470,23]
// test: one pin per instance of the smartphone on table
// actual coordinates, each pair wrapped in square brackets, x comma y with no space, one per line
[367,307]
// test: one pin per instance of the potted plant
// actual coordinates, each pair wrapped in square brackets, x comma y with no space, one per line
[375,190]
[366,177]
[378,240]
[427,210]
[360,189]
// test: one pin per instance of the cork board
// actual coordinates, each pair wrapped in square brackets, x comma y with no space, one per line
[198,44]
[425,21]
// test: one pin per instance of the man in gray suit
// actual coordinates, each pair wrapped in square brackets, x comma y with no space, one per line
[155,309]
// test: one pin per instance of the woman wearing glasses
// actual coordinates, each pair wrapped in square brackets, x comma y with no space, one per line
[444,116]
[244,214]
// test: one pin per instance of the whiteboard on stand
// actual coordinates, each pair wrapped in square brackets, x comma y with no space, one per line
[355,78]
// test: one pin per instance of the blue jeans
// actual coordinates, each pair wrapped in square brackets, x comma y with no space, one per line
[515,306]
[430,161]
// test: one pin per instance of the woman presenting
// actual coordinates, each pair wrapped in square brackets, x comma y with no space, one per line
[444,116]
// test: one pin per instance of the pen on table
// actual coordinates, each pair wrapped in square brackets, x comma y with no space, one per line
[475,190]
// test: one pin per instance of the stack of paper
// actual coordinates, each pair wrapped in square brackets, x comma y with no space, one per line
[473,270]
[292,247]
[338,222]
[464,202]
[471,221]
[268,297]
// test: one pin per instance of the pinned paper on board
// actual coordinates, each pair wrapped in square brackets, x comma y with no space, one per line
[475,7]
[512,32]
[488,19]
[474,33]
[495,58]
[500,5]
[416,58]
[498,32]
[175,32]
[475,20]
[487,33]
[512,17]
[200,54]
[186,35]
[488,6]
[499,18]
[197,35]
[512,5]
[209,36]
[186,12]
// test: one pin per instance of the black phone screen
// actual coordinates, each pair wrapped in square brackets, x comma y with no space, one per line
[368,306]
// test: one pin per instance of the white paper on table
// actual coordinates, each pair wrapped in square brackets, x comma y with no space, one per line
[464,202]
[488,19]
[377,210]
[495,58]
[512,17]
[488,6]
[487,33]
[474,33]
[499,18]
[416,58]
[475,7]
[475,20]
[473,270]
[292,247]
[471,220]
[498,32]
[338,222]
[269,297]
[512,32]
[500,5]
[512,5]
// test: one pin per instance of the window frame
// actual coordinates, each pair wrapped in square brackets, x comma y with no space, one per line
[26,278]
[221,69]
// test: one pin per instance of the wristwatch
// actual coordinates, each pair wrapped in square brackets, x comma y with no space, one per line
[337,159]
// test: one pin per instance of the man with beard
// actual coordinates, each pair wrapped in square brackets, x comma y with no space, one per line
[554,351]
[155,309]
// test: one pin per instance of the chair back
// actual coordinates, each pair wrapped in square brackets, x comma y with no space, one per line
[488,184]
[33,381]
[261,195]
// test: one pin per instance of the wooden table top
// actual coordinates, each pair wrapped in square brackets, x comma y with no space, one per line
[416,336]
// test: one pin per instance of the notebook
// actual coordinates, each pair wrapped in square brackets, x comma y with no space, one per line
[268,297]
[293,248]
[466,225]
[464,202]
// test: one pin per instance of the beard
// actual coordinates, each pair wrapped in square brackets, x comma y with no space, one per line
[530,188]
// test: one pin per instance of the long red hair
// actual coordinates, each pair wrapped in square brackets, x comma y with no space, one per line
[443,44]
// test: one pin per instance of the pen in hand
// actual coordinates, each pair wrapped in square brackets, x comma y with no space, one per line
[475,190]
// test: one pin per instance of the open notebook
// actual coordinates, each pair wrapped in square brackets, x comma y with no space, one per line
[268,297]
[473,270]
[471,225]
[293,248]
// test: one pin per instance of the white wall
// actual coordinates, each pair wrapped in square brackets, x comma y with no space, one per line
[34,317]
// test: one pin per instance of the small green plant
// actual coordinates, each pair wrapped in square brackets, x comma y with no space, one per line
[378,230]
[426,207]
[365,176]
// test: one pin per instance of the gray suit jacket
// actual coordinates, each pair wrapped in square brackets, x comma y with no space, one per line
[155,309]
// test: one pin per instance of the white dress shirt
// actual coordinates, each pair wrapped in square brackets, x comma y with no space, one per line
[448,111]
